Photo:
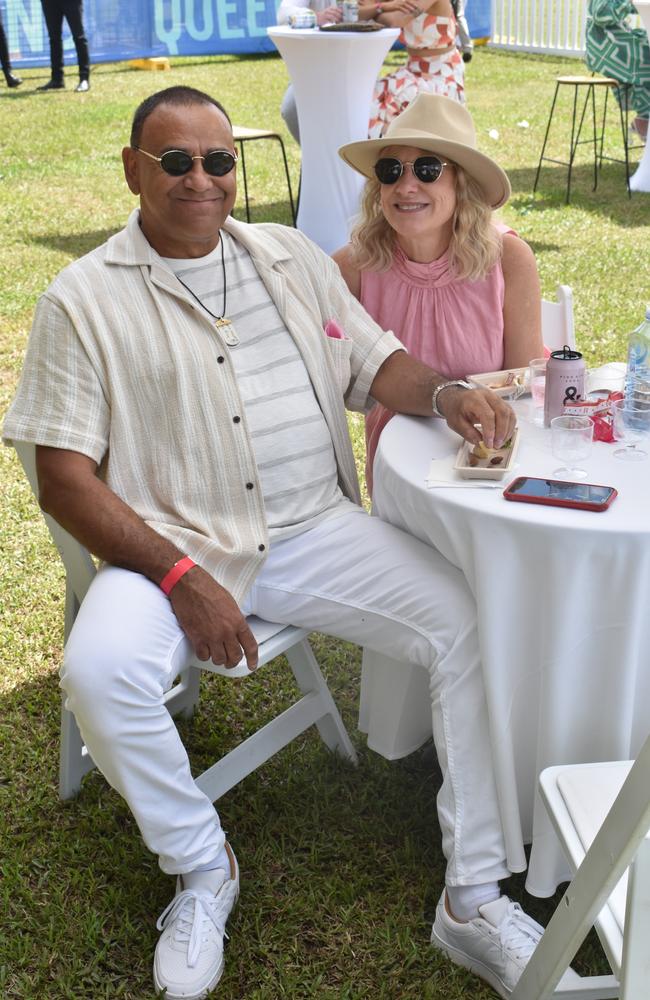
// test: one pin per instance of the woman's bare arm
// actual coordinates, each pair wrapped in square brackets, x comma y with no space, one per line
[522,306]
[398,19]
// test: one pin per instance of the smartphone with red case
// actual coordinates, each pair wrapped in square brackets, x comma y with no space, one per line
[557,493]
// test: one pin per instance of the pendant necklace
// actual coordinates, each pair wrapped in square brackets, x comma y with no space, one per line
[222,320]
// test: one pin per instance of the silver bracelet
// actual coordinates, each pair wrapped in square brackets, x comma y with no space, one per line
[458,383]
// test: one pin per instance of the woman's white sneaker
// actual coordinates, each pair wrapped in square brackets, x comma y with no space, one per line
[495,945]
[189,955]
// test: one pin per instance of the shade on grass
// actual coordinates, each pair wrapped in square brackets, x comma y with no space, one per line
[341,868]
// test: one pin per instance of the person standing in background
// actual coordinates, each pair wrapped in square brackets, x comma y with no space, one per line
[616,49]
[463,39]
[433,66]
[11,78]
[72,10]
[329,13]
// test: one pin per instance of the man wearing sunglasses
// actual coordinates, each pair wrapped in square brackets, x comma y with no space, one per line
[185,385]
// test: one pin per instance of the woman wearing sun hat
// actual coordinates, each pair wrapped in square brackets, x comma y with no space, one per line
[426,258]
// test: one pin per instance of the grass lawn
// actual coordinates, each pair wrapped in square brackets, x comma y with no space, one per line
[341,868]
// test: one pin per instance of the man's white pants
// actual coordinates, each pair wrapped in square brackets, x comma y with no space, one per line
[351,576]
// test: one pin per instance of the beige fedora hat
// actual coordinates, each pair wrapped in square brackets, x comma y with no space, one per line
[439,125]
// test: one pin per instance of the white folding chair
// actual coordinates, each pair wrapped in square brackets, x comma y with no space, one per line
[557,320]
[601,813]
[315,707]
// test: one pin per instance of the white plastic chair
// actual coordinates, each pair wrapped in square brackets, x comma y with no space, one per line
[601,813]
[557,320]
[315,707]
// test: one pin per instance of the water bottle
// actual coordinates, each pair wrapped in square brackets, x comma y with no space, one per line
[637,376]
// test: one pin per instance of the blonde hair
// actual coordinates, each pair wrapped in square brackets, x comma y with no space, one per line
[475,245]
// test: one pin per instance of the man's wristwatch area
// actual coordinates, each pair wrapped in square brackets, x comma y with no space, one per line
[458,383]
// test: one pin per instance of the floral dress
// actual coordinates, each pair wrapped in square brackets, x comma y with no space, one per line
[443,74]
[619,51]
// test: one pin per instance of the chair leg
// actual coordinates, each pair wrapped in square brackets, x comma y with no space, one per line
[624,113]
[602,130]
[575,135]
[634,970]
[243,167]
[593,122]
[183,698]
[310,680]
[74,759]
[286,173]
[548,129]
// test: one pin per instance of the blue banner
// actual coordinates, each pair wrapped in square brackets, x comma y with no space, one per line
[131,29]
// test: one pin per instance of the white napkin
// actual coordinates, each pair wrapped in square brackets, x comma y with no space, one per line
[443,475]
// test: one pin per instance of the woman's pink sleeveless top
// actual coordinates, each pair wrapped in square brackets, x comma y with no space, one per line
[455,326]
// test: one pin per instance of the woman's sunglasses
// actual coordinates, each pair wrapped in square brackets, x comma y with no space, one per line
[427,169]
[176,162]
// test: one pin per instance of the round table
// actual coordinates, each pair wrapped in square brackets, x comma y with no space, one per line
[333,74]
[640,179]
[563,602]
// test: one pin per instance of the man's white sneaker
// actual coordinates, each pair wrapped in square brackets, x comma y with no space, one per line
[495,946]
[189,955]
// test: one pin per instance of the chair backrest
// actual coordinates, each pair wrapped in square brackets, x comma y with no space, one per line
[79,566]
[622,840]
[557,320]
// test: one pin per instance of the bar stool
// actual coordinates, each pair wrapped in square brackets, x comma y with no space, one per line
[242,135]
[589,85]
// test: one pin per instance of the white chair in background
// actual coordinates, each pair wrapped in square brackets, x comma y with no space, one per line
[557,320]
[601,813]
[315,707]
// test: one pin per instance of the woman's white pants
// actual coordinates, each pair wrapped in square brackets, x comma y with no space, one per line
[351,576]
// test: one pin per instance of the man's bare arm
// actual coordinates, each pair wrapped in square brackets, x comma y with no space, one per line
[71,493]
[406,386]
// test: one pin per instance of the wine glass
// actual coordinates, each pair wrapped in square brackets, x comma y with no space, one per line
[631,425]
[571,441]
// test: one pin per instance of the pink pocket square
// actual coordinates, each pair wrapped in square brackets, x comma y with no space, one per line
[333,330]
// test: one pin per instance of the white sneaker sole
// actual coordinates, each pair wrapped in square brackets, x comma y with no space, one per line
[473,964]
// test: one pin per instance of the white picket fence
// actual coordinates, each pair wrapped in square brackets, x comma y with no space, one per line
[554,27]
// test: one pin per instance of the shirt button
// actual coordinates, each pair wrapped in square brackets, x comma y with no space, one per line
[261,548]
[220,360]
[236,420]
[250,486]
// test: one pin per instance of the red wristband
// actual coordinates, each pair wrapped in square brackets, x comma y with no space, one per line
[178,570]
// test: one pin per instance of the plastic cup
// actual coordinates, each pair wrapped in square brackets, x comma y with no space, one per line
[537,383]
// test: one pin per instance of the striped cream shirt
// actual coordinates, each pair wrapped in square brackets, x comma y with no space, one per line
[293,447]
[124,366]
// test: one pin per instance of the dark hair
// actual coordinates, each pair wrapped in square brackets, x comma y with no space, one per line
[179,96]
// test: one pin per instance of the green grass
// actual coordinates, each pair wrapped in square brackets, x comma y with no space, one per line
[341,868]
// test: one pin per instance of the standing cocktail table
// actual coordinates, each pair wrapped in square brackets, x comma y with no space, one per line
[333,74]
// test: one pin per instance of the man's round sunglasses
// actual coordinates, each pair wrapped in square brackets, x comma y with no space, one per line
[427,169]
[177,162]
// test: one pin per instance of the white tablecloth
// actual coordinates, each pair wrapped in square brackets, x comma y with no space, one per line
[640,179]
[333,75]
[564,616]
